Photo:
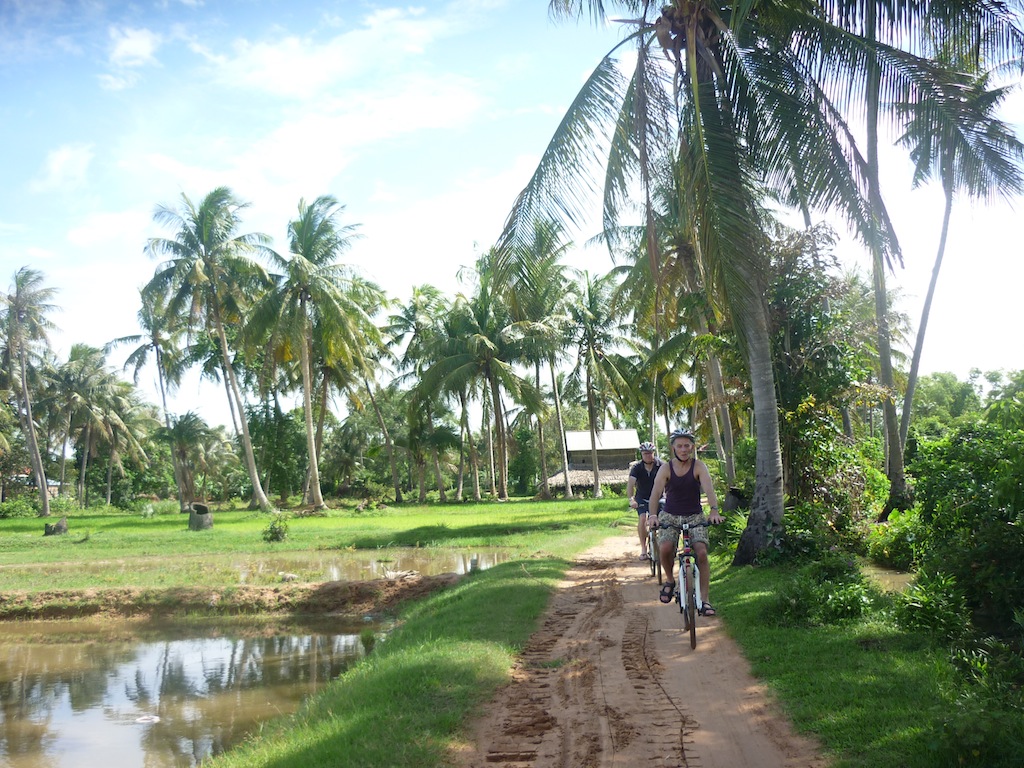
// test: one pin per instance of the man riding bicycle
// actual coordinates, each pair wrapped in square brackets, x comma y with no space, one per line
[682,478]
[638,489]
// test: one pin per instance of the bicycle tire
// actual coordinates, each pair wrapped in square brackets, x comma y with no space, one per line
[652,549]
[691,609]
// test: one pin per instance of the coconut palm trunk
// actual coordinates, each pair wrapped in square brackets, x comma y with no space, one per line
[316,498]
[561,429]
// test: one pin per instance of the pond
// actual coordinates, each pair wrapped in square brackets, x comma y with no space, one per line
[127,694]
[887,579]
[81,694]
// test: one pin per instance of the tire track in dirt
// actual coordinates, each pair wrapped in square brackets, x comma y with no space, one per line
[609,681]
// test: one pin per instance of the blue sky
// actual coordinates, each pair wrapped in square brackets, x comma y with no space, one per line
[425,120]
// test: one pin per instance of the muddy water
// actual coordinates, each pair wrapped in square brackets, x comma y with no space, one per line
[106,697]
[887,579]
[123,695]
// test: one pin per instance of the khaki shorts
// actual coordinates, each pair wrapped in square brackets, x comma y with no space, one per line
[672,534]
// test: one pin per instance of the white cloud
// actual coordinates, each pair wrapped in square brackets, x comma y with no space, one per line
[299,67]
[65,168]
[111,227]
[133,47]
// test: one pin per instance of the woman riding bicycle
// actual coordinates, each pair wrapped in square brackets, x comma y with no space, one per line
[682,478]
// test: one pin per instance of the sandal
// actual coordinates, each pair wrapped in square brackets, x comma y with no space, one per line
[644,557]
[708,610]
[668,591]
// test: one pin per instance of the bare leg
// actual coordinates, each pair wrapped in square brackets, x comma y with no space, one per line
[641,531]
[703,567]
[667,551]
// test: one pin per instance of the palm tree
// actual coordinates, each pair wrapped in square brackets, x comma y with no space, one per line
[186,436]
[534,287]
[596,336]
[482,345]
[207,277]
[25,322]
[311,293]
[743,107]
[75,385]
[973,34]
[977,154]
[161,338]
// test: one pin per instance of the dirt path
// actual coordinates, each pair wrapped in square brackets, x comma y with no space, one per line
[610,680]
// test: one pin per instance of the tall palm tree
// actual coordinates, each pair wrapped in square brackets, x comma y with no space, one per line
[978,155]
[312,293]
[596,335]
[161,338]
[208,277]
[76,385]
[747,98]
[483,346]
[25,322]
[901,41]
[535,288]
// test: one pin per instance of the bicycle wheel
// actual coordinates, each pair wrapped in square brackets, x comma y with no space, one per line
[691,605]
[652,550]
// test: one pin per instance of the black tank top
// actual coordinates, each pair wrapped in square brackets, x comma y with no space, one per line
[682,492]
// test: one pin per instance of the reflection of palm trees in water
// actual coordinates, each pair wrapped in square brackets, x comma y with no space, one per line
[207,692]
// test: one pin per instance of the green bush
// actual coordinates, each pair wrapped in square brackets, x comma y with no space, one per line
[896,542]
[18,507]
[812,531]
[933,604]
[825,591]
[277,529]
[972,507]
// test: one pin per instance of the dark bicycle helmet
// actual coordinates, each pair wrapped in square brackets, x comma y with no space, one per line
[646,446]
[682,433]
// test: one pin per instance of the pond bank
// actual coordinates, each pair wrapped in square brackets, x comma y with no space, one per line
[355,598]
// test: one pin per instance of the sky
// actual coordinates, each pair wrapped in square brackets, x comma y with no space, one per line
[424,119]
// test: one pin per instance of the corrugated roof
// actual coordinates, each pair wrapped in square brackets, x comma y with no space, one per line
[607,440]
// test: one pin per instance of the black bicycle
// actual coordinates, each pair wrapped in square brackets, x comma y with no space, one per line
[654,560]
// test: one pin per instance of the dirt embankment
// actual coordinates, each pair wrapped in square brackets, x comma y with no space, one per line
[335,597]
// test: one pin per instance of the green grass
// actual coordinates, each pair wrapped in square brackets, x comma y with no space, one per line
[115,549]
[870,693]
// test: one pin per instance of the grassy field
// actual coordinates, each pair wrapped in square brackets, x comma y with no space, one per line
[870,693]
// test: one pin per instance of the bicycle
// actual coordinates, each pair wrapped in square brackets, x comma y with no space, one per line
[691,605]
[652,545]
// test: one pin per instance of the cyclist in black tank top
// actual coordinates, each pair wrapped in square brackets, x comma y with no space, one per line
[682,478]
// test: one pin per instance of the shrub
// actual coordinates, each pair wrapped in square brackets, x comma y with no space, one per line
[277,529]
[811,531]
[933,604]
[972,502]
[826,591]
[896,542]
[18,507]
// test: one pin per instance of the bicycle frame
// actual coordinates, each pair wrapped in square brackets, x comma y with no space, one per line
[687,593]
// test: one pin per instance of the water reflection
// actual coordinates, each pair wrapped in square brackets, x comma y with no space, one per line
[172,702]
[359,566]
